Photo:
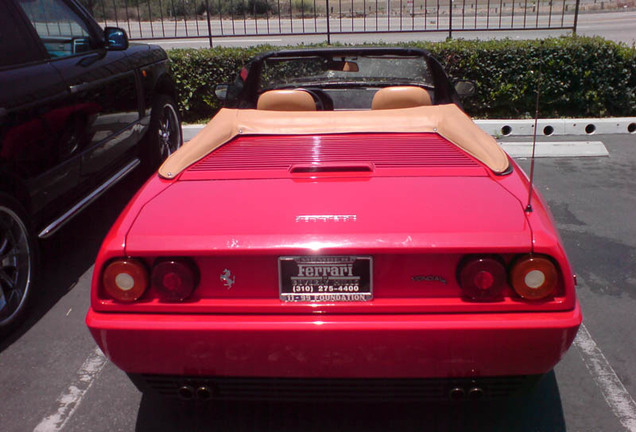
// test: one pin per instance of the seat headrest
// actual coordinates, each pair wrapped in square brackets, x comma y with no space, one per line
[400,97]
[286,100]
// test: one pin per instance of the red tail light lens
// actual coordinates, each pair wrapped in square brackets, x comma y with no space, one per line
[125,280]
[482,278]
[175,279]
[534,277]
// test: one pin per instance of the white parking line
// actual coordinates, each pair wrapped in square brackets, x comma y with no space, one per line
[556,149]
[70,400]
[614,392]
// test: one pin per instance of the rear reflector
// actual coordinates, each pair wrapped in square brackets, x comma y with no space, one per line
[175,279]
[482,278]
[534,277]
[125,280]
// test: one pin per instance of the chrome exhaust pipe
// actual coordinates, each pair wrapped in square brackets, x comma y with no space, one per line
[186,392]
[476,393]
[204,393]
[456,394]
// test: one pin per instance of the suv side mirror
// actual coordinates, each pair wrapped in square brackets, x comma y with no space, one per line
[220,91]
[465,88]
[116,39]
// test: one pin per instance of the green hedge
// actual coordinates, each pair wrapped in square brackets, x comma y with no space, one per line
[581,77]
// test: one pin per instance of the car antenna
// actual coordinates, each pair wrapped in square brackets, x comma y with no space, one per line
[534,138]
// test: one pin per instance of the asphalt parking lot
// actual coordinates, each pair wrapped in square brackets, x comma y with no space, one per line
[52,378]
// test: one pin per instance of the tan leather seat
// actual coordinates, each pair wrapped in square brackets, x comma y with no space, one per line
[286,100]
[400,97]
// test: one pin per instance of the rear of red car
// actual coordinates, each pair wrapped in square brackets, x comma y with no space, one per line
[334,265]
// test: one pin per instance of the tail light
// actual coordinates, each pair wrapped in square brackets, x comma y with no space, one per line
[482,277]
[175,279]
[125,280]
[534,277]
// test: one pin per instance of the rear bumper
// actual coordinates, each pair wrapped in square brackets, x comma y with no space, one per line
[336,346]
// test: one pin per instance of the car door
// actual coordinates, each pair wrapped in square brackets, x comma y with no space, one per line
[35,166]
[102,83]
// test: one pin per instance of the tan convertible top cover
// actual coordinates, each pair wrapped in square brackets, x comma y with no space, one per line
[446,120]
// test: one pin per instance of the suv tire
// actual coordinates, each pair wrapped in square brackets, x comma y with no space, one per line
[164,135]
[18,261]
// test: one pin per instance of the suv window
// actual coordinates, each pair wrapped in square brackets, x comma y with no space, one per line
[16,44]
[62,31]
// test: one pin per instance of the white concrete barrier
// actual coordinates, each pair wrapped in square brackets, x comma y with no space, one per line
[559,127]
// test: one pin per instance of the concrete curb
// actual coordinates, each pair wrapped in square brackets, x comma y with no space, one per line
[559,127]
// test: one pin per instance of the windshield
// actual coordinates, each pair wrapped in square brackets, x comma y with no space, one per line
[334,71]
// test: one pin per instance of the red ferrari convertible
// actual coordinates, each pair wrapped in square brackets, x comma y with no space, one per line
[341,229]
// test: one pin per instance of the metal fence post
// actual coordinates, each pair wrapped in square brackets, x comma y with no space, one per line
[328,29]
[576,16]
[450,19]
[207,15]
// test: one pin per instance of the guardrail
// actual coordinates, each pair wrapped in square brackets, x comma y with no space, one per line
[177,19]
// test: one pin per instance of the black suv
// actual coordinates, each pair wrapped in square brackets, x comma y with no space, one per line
[79,110]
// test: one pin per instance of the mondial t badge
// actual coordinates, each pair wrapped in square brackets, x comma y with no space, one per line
[428,278]
[326,218]
[227,278]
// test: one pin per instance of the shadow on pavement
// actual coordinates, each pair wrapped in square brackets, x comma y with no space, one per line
[537,411]
[69,253]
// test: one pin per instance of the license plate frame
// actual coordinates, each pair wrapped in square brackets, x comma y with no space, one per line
[325,279]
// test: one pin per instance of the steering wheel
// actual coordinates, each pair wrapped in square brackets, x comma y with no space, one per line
[322,99]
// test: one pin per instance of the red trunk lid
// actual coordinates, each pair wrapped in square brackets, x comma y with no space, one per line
[365,213]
